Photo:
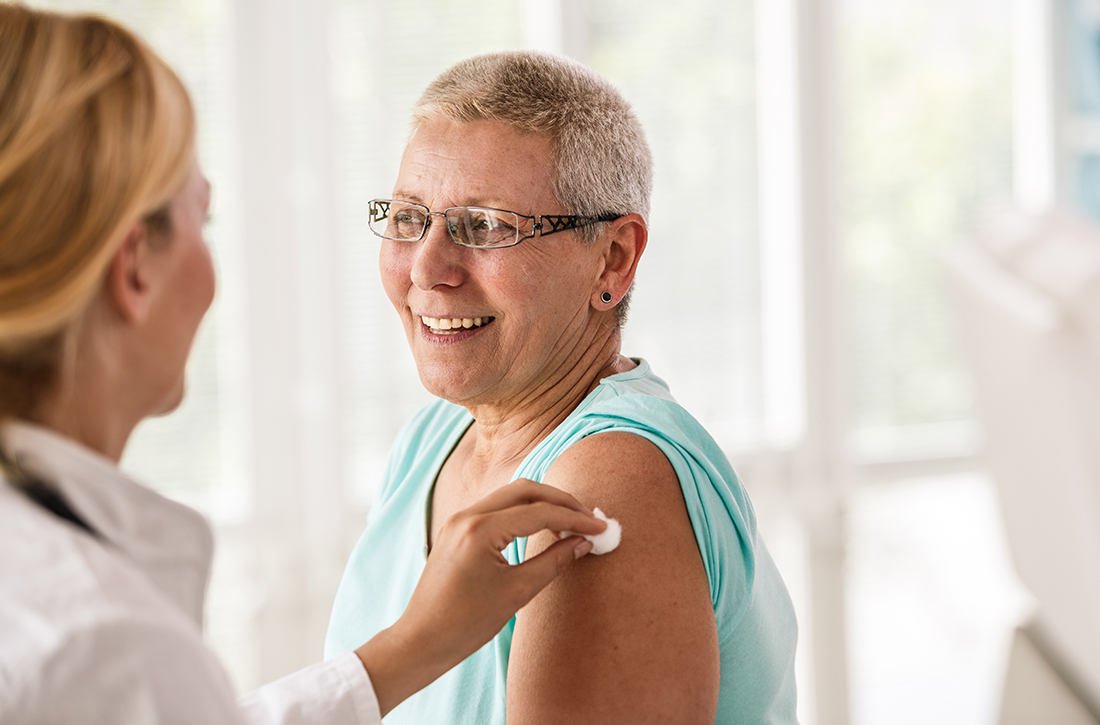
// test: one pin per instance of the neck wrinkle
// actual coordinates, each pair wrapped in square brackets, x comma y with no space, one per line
[507,433]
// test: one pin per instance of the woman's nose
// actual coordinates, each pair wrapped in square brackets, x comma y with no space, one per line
[437,259]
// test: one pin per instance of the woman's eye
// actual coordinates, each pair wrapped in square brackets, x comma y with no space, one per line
[408,217]
[492,223]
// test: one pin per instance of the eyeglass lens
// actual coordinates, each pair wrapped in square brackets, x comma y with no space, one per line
[471,226]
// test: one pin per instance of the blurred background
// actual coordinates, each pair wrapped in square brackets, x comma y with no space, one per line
[835,149]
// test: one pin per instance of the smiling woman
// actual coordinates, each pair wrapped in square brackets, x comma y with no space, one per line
[689,623]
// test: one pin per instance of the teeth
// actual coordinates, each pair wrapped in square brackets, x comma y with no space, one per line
[454,323]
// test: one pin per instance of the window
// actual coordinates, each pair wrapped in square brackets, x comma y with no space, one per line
[927,147]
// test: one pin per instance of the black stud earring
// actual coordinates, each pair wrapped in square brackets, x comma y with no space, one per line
[606,297]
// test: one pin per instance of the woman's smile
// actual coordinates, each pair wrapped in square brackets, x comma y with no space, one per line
[453,325]
[452,330]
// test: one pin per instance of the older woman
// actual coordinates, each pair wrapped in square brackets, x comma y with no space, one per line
[104,278]
[509,247]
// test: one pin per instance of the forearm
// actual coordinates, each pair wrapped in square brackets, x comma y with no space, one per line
[400,665]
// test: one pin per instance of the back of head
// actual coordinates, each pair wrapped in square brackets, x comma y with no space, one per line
[96,133]
[602,161]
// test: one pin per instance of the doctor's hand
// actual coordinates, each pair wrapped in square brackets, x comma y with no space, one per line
[469,591]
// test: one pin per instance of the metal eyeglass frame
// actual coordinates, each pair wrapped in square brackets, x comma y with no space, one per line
[379,209]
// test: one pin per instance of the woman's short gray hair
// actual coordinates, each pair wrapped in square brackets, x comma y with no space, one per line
[602,162]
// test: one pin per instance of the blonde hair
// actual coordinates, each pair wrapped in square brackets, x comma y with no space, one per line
[601,160]
[96,133]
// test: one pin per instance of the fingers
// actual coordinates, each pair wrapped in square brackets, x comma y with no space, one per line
[520,509]
[535,573]
[531,518]
[500,528]
[523,491]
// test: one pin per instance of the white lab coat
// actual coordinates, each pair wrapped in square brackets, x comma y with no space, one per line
[109,629]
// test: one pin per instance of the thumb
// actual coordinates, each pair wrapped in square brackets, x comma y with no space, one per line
[535,573]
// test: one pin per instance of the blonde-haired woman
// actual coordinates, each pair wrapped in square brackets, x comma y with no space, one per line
[104,278]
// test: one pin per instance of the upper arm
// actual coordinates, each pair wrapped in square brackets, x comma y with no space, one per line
[629,636]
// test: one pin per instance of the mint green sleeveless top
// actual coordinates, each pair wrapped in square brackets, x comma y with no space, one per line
[752,610]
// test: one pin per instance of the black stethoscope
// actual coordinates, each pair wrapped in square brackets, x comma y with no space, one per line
[42,493]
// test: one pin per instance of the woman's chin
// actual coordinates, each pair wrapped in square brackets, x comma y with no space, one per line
[446,385]
[439,389]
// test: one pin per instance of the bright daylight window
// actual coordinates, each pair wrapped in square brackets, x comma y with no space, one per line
[926,144]
[927,148]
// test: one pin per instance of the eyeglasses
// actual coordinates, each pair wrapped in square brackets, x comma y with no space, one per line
[469,226]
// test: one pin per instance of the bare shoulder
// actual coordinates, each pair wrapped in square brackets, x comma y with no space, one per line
[628,636]
[628,477]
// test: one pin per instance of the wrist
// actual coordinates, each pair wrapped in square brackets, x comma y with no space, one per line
[398,665]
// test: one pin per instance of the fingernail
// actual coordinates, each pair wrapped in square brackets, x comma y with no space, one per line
[582,548]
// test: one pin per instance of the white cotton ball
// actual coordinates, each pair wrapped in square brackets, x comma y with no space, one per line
[605,542]
[610,538]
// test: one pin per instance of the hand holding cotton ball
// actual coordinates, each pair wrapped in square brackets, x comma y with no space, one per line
[605,542]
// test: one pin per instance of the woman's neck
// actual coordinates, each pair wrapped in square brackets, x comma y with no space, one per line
[93,424]
[505,432]
[94,401]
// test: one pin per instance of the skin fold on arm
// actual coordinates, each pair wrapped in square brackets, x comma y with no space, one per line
[628,637]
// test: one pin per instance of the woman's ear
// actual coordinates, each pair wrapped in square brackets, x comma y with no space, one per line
[128,285]
[624,241]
